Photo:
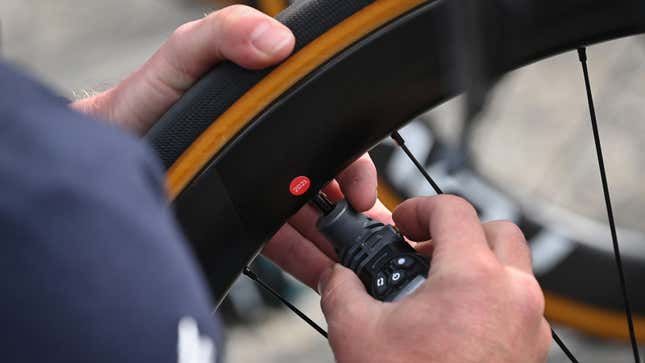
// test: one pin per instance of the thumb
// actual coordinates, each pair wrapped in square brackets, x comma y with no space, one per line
[343,296]
[237,33]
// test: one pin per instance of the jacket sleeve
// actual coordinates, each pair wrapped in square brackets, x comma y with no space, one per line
[93,267]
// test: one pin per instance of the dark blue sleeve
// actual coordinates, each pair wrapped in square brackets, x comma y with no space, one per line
[93,267]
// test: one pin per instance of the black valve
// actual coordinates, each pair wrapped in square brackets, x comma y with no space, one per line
[388,266]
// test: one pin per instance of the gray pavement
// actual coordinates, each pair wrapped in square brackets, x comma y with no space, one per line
[538,119]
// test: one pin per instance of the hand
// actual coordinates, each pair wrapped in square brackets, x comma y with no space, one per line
[237,33]
[303,251]
[481,302]
[252,40]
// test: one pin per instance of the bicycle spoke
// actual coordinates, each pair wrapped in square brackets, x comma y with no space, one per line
[563,347]
[401,142]
[253,276]
[582,55]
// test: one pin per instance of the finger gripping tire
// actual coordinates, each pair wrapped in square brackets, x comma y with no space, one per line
[227,82]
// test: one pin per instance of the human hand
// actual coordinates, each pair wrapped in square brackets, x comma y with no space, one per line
[237,33]
[300,249]
[481,302]
[253,40]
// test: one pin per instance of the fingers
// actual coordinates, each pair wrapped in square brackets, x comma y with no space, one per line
[237,33]
[358,183]
[332,190]
[296,255]
[412,221]
[424,248]
[300,249]
[509,245]
[305,223]
[343,296]
[451,223]
[454,228]
[380,213]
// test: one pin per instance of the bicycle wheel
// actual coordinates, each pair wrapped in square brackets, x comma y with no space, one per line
[236,141]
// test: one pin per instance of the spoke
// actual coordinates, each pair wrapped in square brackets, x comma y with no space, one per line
[401,142]
[564,348]
[582,54]
[253,276]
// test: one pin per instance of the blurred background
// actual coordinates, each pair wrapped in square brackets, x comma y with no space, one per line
[532,161]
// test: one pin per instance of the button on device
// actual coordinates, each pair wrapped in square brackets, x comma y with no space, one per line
[403,262]
[380,284]
[397,277]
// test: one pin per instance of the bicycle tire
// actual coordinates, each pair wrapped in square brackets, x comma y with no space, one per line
[228,121]
[270,7]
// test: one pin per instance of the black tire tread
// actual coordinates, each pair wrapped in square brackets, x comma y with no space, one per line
[227,82]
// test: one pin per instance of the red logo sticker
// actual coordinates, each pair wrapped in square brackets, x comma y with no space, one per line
[299,185]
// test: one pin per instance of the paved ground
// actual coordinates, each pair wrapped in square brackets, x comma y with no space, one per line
[539,113]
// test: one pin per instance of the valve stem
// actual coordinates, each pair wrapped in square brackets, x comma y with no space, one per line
[323,203]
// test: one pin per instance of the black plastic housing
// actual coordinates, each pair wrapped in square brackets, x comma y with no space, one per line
[373,251]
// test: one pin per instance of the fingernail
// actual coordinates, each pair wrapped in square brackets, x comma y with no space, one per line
[270,39]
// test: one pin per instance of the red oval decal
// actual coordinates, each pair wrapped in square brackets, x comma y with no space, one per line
[299,185]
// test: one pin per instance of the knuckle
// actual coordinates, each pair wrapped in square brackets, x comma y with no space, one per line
[509,233]
[183,31]
[485,270]
[529,296]
[507,229]
[360,171]
[365,163]
[457,204]
[367,159]
[228,18]
[226,21]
